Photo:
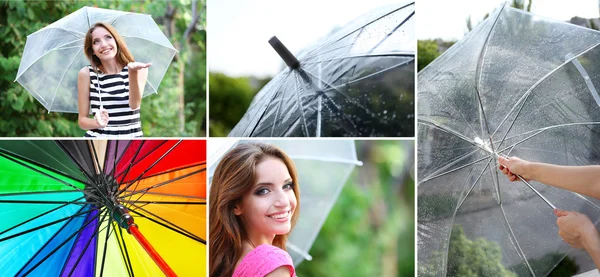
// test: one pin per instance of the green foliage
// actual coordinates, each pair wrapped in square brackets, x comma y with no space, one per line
[229,99]
[478,257]
[370,230]
[22,115]
[469,258]
[427,52]
[566,267]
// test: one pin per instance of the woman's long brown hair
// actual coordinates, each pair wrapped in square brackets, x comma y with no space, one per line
[123,55]
[233,178]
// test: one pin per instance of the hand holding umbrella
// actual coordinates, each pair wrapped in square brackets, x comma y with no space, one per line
[579,232]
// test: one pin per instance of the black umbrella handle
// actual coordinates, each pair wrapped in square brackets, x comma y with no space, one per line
[284,53]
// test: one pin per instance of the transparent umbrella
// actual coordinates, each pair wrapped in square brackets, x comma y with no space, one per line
[323,168]
[358,81]
[54,54]
[517,85]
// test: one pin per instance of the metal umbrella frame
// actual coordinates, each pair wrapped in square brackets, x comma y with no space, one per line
[103,208]
[516,85]
[359,81]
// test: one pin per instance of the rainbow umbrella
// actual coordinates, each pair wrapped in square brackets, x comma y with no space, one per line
[103,208]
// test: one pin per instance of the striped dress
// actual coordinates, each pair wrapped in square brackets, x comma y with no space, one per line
[122,120]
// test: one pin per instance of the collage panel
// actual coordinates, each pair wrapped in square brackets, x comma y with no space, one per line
[347,72]
[102,68]
[103,207]
[314,207]
[508,130]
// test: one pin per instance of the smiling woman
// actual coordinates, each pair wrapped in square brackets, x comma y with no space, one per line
[113,75]
[254,199]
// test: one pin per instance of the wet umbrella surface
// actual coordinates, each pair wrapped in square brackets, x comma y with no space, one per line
[517,85]
[357,82]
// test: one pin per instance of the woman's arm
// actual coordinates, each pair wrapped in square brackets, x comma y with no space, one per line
[581,179]
[578,231]
[83,101]
[138,74]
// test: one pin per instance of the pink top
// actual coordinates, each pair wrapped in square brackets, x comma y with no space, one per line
[263,260]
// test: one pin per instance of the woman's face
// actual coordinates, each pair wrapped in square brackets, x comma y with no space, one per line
[103,44]
[268,207]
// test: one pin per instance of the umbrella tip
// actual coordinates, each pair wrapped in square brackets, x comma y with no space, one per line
[284,53]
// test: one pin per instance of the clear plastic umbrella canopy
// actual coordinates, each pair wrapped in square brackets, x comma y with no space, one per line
[323,168]
[358,81]
[517,85]
[54,55]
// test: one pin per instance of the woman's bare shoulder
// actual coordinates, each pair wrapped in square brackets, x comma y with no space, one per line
[282,271]
[84,71]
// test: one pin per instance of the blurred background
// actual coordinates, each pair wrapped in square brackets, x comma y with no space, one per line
[370,230]
[177,110]
[241,59]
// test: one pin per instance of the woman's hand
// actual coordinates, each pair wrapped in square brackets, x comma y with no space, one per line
[576,229]
[137,65]
[102,118]
[513,166]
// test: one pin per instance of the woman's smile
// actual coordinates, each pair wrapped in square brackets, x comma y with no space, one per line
[281,216]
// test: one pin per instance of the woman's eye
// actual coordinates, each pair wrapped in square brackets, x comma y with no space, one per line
[288,186]
[262,191]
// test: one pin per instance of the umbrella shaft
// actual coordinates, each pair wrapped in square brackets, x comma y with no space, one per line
[153,254]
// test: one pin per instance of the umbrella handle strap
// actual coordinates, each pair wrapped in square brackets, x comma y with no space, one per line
[166,269]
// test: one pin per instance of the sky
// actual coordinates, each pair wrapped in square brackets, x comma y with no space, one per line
[239,30]
[447,19]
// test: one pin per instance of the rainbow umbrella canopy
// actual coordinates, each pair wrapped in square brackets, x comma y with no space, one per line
[103,208]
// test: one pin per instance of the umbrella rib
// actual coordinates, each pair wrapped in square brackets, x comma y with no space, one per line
[198,164]
[109,224]
[170,47]
[331,87]
[363,26]
[47,175]
[168,194]
[482,118]
[126,253]
[63,75]
[2,151]
[94,235]
[45,225]
[300,107]
[391,32]
[473,185]
[514,239]
[453,170]
[446,129]
[181,230]
[265,108]
[552,127]
[59,246]
[149,168]
[132,162]
[166,202]
[143,191]
[46,202]
[77,238]
[371,55]
[40,215]
[40,57]
[90,178]
[277,113]
[525,96]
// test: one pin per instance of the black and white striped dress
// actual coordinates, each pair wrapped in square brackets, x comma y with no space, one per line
[122,120]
